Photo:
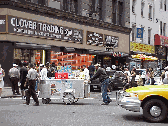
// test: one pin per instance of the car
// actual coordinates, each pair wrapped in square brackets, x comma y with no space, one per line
[115,81]
[153,100]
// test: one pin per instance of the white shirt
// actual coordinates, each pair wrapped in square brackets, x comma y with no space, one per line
[166,73]
[43,74]
[86,73]
[129,74]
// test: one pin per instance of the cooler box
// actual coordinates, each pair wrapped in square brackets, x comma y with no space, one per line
[61,75]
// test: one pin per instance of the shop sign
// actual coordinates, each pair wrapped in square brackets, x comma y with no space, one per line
[30,27]
[94,38]
[111,41]
[2,23]
[138,47]
[139,32]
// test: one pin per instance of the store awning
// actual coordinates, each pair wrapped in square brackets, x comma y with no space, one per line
[161,40]
[144,57]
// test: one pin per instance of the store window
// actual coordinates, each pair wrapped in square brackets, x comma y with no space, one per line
[75,60]
[160,27]
[164,29]
[149,36]
[133,32]
[133,6]
[150,12]
[142,8]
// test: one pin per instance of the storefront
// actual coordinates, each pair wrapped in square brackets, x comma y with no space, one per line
[142,56]
[38,36]
[161,44]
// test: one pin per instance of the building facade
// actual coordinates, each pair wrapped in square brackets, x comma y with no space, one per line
[31,29]
[151,15]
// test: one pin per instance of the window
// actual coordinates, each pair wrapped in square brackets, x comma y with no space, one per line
[133,6]
[133,32]
[164,29]
[150,12]
[142,8]
[114,11]
[165,5]
[161,4]
[70,5]
[160,27]
[149,36]
[143,35]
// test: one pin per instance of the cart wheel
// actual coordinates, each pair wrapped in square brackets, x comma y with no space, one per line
[44,101]
[68,99]
[48,100]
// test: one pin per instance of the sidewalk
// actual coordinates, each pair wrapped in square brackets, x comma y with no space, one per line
[7,93]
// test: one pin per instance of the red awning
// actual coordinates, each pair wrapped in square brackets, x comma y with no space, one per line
[161,40]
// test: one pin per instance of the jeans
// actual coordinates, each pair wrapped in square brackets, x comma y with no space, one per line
[104,85]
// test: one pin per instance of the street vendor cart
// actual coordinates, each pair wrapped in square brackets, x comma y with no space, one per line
[69,90]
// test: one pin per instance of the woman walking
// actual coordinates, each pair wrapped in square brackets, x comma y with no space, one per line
[133,75]
[2,74]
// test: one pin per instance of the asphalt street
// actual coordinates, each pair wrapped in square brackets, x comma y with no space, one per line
[86,112]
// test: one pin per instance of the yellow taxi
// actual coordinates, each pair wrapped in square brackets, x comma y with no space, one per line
[153,99]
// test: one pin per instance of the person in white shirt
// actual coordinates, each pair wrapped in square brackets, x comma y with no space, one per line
[43,72]
[165,80]
[86,72]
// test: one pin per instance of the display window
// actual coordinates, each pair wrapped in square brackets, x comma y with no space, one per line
[73,59]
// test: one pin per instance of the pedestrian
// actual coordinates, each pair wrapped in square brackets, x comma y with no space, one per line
[86,72]
[147,82]
[127,71]
[104,79]
[151,76]
[14,77]
[91,70]
[31,78]
[23,74]
[163,75]
[2,74]
[140,81]
[165,80]
[126,81]
[133,75]
[43,72]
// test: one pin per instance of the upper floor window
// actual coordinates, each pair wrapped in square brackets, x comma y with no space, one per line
[161,4]
[133,32]
[142,8]
[165,5]
[133,6]
[150,12]
[164,29]
[149,36]
[160,27]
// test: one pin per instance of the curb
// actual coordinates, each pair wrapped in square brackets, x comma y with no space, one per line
[10,96]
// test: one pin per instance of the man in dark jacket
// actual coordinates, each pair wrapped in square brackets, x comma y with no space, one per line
[91,70]
[104,79]
[23,74]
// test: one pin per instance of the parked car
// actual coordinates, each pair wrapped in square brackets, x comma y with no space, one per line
[116,81]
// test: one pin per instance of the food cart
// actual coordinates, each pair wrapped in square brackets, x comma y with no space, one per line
[69,90]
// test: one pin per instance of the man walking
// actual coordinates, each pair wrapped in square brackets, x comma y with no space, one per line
[91,70]
[14,78]
[31,77]
[23,74]
[104,79]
